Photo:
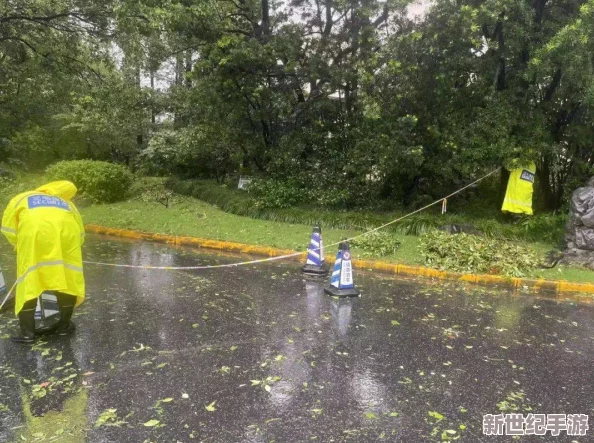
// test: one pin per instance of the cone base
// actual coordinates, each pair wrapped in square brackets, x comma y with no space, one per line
[315,270]
[331,290]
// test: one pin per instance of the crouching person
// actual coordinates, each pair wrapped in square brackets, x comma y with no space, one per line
[47,232]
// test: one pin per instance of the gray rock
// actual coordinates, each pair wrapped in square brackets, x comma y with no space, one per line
[579,237]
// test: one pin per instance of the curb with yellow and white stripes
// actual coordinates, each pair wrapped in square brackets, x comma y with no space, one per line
[560,287]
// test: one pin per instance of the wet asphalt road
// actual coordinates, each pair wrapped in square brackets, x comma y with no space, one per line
[258,354]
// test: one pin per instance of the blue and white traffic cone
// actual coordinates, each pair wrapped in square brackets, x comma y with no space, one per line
[341,281]
[47,313]
[315,254]
[5,303]
[2,284]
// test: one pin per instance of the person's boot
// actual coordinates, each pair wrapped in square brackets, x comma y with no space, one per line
[27,323]
[65,326]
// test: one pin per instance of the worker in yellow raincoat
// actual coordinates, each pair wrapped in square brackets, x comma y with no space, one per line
[518,196]
[47,232]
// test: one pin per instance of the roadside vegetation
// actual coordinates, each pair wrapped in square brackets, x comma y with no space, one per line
[151,205]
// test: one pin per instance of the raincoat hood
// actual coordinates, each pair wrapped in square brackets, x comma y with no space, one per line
[63,189]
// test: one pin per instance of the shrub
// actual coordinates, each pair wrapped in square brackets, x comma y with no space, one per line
[161,156]
[469,253]
[229,199]
[295,191]
[544,227]
[376,244]
[276,193]
[419,224]
[101,182]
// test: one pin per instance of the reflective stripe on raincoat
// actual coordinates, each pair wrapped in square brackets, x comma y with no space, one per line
[47,232]
[518,197]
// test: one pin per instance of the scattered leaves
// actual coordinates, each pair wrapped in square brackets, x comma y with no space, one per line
[108,417]
[436,415]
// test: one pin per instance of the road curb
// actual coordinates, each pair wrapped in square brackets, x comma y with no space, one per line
[540,285]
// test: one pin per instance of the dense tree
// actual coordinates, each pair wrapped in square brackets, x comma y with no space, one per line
[353,98]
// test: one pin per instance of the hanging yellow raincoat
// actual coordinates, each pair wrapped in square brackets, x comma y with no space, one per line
[47,232]
[518,197]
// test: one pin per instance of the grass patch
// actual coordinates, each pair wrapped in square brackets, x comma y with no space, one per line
[198,219]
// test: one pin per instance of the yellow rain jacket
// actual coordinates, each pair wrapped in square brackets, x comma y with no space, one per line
[518,197]
[47,232]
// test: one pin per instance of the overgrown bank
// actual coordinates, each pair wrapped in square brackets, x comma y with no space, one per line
[543,228]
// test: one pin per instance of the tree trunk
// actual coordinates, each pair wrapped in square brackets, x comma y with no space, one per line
[188,70]
[179,78]
[153,117]
[544,178]
[265,20]
[504,179]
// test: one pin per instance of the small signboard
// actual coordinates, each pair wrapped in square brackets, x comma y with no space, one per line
[346,276]
[527,175]
[244,182]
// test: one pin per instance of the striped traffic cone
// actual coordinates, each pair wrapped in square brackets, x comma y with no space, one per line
[8,303]
[341,281]
[2,284]
[47,314]
[315,254]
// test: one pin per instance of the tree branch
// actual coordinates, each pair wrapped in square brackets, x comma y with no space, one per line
[238,31]
[553,86]
[382,18]
[36,19]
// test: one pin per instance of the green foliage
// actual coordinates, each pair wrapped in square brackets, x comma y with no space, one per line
[161,156]
[227,198]
[474,254]
[329,112]
[153,190]
[303,190]
[101,182]
[376,244]
[188,152]
[541,228]
[9,188]
[244,203]
[545,228]
[420,224]
[277,194]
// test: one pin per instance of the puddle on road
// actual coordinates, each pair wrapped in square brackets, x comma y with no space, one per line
[261,354]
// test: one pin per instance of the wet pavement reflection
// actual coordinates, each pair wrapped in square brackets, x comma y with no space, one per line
[261,354]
